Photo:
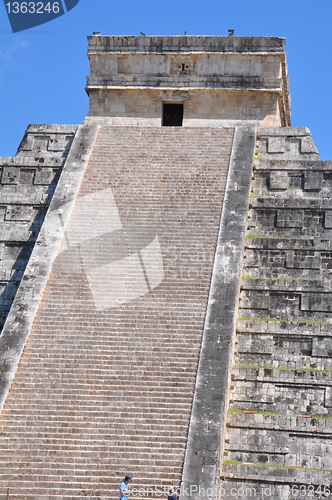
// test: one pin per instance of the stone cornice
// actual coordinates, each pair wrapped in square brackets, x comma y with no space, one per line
[183,44]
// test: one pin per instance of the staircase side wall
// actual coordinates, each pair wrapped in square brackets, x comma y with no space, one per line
[201,474]
[27,184]
[37,267]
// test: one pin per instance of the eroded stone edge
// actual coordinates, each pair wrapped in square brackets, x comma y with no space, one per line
[23,311]
[204,450]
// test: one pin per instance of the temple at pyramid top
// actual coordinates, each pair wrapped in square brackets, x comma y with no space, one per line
[189,81]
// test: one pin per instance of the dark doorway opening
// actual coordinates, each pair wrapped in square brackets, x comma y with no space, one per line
[172,115]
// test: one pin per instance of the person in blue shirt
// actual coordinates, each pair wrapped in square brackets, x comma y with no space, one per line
[171,494]
[124,488]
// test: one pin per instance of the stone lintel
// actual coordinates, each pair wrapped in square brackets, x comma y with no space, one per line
[166,83]
[183,44]
[30,161]
[283,132]
[47,128]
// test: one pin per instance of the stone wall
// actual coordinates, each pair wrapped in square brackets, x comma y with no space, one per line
[27,185]
[215,108]
[218,79]
[189,63]
[279,424]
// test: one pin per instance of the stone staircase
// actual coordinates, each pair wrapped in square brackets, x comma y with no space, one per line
[101,393]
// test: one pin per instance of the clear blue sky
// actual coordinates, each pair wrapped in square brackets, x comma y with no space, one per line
[43,70]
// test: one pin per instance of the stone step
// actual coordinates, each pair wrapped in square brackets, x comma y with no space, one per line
[114,374]
[100,400]
[117,390]
[92,492]
[145,460]
[146,348]
[114,446]
[84,480]
[137,341]
[140,435]
[108,403]
[149,359]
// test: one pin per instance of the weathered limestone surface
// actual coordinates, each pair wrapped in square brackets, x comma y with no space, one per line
[218,79]
[27,185]
[100,391]
[211,109]
[203,458]
[279,423]
[117,353]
